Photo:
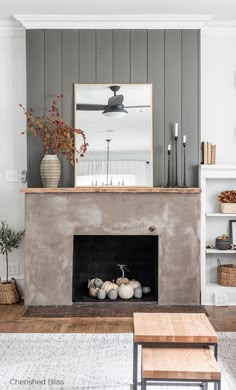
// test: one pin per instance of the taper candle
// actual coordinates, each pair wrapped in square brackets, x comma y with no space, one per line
[169,147]
[184,139]
[176,129]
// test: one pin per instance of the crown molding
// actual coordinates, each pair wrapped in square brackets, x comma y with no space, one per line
[11,27]
[113,21]
[224,25]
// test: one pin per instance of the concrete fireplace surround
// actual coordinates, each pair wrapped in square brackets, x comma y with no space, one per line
[53,218]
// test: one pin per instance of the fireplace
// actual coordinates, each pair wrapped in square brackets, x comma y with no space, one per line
[98,256]
[55,219]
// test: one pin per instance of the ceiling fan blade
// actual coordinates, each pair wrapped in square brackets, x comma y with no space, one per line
[90,107]
[116,100]
[137,106]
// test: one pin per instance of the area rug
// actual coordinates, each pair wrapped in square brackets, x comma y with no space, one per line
[84,361]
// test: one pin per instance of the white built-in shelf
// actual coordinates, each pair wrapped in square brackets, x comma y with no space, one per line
[220,215]
[217,287]
[230,251]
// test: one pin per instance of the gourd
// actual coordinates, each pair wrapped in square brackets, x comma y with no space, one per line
[134,283]
[93,292]
[95,282]
[146,289]
[138,292]
[112,294]
[122,279]
[126,291]
[101,294]
[107,286]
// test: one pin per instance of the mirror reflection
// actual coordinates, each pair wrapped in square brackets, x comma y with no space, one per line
[117,121]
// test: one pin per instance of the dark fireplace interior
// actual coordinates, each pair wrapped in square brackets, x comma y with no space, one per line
[98,256]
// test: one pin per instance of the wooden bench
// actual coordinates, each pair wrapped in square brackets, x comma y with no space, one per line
[197,366]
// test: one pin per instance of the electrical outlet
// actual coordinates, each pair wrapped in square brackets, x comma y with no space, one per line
[13,269]
[221,299]
[12,176]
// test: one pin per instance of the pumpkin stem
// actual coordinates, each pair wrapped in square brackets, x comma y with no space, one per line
[122,268]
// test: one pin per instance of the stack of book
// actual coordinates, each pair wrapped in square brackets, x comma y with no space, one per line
[208,153]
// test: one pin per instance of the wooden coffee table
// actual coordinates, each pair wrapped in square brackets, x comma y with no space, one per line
[169,330]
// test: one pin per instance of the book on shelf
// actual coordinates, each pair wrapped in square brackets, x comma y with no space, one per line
[208,153]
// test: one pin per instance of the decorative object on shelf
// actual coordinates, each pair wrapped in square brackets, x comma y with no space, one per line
[223,242]
[122,279]
[126,291]
[101,294]
[184,146]
[138,292]
[57,138]
[176,155]
[233,231]
[168,173]
[226,274]
[227,201]
[9,240]
[146,289]
[112,294]
[50,170]
[208,153]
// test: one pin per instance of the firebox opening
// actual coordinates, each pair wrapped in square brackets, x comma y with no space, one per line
[98,256]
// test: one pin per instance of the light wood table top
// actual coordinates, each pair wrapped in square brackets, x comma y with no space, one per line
[180,363]
[173,328]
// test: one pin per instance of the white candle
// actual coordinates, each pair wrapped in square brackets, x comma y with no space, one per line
[184,139]
[176,129]
[169,147]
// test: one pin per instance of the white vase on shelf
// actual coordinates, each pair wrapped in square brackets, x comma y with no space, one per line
[50,169]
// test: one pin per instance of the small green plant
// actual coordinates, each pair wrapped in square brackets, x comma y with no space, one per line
[9,239]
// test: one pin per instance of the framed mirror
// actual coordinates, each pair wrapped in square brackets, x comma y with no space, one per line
[117,121]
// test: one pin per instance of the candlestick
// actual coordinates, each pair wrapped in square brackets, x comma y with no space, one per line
[168,175]
[176,159]
[184,146]
[176,129]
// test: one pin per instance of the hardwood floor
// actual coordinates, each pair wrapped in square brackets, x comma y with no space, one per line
[12,321]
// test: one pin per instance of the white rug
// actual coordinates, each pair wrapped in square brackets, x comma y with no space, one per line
[84,361]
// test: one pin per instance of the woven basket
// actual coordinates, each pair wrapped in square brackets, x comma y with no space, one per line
[226,274]
[8,292]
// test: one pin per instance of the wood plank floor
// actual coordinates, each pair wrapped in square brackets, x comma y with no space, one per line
[12,321]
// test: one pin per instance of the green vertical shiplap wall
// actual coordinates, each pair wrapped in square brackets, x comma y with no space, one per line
[169,59]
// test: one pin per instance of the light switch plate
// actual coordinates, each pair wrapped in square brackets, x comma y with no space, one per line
[13,269]
[221,299]
[12,176]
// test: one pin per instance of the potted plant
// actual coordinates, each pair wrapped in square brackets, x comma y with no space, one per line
[9,239]
[227,201]
[57,138]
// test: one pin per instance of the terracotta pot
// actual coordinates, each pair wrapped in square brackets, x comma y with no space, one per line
[50,170]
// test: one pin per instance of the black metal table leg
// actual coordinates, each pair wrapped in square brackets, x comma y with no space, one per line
[135,366]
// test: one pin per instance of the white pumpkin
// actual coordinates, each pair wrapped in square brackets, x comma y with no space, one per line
[93,292]
[107,286]
[126,291]
[134,283]
[121,280]
[95,282]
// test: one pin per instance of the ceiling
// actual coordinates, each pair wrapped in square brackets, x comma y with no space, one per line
[219,9]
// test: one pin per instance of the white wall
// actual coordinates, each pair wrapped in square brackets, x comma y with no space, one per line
[218,92]
[12,143]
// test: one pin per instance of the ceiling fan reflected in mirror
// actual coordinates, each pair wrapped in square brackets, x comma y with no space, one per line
[114,107]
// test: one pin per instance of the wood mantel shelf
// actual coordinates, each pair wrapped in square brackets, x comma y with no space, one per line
[137,190]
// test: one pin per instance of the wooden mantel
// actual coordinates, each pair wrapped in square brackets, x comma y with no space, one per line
[137,190]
